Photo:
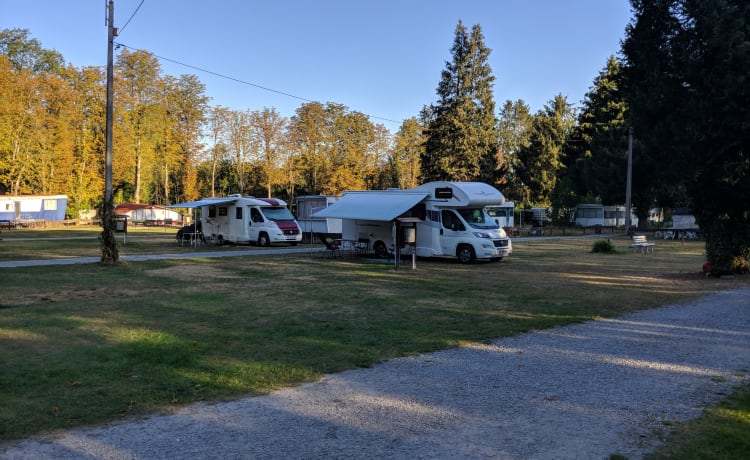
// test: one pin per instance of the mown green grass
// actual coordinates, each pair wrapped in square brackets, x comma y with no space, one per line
[29,244]
[85,344]
[723,432]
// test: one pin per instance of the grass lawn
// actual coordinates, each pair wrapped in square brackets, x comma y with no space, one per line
[83,344]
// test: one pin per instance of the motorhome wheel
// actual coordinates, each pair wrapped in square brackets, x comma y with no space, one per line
[465,254]
[380,249]
[263,240]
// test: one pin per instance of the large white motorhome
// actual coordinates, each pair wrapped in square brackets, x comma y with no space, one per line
[445,219]
[246,219]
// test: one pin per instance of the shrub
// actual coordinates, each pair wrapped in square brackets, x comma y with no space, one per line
[604,246]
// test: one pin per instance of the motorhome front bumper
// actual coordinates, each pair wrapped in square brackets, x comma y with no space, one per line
[503,247]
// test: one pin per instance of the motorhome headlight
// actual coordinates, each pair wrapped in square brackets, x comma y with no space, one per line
[482,235]
[502,233]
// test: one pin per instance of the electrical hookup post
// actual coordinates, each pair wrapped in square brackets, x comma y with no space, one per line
[406,237]
[121,226]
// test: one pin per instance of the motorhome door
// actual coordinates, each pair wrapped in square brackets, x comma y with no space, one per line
[452,228]
[254,224]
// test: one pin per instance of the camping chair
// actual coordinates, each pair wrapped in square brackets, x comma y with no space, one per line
[333,248]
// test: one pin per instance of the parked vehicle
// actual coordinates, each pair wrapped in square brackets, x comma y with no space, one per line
[246,219]
[307,205]
[445,219]
[503,214]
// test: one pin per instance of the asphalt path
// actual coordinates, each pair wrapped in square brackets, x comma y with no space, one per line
[186,255]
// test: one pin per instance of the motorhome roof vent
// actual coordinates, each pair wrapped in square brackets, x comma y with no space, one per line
[235,195]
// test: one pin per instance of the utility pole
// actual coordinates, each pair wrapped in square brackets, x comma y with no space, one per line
[629,181]
[110,252]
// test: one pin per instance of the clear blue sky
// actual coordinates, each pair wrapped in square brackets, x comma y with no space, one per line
[379,57]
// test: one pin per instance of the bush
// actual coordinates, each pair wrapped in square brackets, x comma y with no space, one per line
[604,246]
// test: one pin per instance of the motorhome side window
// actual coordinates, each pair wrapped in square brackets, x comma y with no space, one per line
[222,211]
[451,221]
[255,215]
[211,211]
[238,212]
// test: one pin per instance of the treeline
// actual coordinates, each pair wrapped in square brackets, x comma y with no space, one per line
[680,86]
[170,145]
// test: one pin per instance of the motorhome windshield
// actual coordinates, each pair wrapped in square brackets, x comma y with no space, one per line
[277,213]
[477,218]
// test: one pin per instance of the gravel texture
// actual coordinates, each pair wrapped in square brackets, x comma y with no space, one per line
[578,392]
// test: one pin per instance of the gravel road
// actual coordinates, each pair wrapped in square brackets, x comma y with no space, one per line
[578,392]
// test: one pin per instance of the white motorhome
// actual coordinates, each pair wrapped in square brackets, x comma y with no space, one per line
[445,219]
[246,219]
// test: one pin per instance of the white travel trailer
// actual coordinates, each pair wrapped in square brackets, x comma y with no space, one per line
[246,219]
[593,214]
[503,214]
[438,219]
[307,205]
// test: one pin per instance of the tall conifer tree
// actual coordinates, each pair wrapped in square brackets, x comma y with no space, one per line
[462,136]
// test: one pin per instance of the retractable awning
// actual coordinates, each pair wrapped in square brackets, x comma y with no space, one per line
[204,202]
[372,205]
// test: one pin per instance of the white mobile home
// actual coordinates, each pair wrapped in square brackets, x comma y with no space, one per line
[148,214]
[246,219]
[592,214]
[31,207]
[445,219]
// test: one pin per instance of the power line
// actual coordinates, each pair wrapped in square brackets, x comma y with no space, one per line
[131,16]
[237,80]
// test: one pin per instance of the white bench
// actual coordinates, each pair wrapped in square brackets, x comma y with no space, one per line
[641,244]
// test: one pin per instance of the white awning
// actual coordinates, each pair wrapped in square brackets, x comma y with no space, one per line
[372,205]
[203,202]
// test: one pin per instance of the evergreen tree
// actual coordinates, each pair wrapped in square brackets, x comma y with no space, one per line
[461,135]
[514,130]
[686,74]
[598,157]
[540,161]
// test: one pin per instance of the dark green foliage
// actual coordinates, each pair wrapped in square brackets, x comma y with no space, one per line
[599,159]
[688,91]
[514,129]
[461,142]
[540,160]
[603,246]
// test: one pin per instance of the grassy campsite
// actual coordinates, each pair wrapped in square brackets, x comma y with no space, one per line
[90,344]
